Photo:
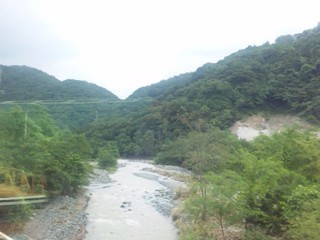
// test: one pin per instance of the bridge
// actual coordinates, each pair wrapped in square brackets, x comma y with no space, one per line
[23,200]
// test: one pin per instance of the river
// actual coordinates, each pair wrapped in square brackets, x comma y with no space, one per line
[128,206]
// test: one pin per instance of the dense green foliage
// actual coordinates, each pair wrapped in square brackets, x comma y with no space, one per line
[272,183]
[108,155]
[32,143]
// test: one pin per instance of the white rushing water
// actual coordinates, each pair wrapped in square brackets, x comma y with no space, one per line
[122,209]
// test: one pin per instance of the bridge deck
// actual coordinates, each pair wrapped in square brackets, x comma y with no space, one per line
[23,200]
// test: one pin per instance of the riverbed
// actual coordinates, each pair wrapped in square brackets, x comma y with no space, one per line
[133,205]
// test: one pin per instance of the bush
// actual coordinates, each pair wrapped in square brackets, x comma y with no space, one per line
[256,233]
[107,156]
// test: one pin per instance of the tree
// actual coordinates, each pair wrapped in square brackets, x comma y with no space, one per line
[306,225]
[302,212]
[299,150]
[269,184]
[36,146]
[209,149]
[217,201]
[108,156]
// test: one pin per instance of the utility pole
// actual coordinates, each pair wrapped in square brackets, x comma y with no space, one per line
[97,115]
[25,125]
[1,89]
[0,77]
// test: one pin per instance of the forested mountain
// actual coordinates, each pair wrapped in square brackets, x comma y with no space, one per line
[284,74]
[21,83]
[72,103]
[280,77]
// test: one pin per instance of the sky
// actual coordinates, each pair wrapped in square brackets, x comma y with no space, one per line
[123,45]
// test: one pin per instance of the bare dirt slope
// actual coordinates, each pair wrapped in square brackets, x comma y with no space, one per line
[255,125]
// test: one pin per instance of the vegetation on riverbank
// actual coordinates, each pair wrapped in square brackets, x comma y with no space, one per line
[265,189]
[35,147]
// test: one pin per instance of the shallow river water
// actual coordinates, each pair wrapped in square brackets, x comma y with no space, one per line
[123,209]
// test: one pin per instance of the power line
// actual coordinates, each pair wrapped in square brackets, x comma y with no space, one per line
[71,101]
[96,110]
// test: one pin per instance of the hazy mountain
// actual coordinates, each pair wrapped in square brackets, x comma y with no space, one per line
[22,83]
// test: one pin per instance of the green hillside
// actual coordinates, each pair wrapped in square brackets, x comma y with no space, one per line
[280,77]
[284,74]
[72,103]
[21,83]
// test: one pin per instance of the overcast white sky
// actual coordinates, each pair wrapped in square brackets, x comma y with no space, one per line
[126,44]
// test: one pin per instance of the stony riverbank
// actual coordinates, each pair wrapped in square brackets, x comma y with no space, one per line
[174,179]
[62,218]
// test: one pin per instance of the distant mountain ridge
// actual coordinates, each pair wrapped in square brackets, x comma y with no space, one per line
[22,83]
[278,78]
[157,89]
[283,75]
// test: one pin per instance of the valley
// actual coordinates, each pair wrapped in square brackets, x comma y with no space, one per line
[244,184]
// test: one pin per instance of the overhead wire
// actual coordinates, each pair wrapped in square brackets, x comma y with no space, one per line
[71,101]
[100,104]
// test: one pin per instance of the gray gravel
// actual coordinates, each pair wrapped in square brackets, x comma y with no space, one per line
[163,199]
[62,218]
